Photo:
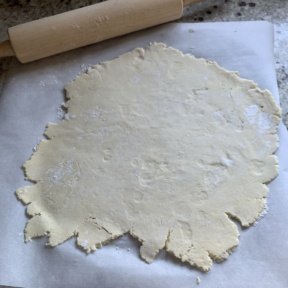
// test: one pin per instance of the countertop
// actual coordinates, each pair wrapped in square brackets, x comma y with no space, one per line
[19,11]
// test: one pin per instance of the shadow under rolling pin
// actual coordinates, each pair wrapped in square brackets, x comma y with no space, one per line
[88,25]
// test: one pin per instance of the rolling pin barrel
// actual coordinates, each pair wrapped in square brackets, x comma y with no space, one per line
[52,35]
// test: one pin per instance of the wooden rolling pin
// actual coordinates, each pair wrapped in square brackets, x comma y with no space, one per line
[77,28]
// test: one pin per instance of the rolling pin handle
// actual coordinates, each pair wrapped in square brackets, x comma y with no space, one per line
[6,49]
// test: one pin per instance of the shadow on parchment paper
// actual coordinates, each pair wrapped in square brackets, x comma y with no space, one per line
[128,243]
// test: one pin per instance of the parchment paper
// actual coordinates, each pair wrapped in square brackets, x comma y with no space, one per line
[31,98]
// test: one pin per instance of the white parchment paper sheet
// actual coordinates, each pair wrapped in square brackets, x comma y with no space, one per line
[30,99]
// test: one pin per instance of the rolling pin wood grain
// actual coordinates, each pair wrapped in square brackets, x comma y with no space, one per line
[91,24]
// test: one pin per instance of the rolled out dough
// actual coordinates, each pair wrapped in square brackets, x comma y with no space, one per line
[161,145]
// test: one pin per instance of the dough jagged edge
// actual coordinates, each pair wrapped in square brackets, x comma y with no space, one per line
[214,258]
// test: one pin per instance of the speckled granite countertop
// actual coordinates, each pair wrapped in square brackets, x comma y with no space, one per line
[13,12]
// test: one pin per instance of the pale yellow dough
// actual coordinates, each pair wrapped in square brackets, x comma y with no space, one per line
[158,144]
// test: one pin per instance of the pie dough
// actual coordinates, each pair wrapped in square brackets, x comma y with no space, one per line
[164,146]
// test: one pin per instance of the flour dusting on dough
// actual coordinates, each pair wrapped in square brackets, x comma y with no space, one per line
[256,117]
[160,145]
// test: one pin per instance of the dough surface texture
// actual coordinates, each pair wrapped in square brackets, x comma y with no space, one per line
[158,144]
